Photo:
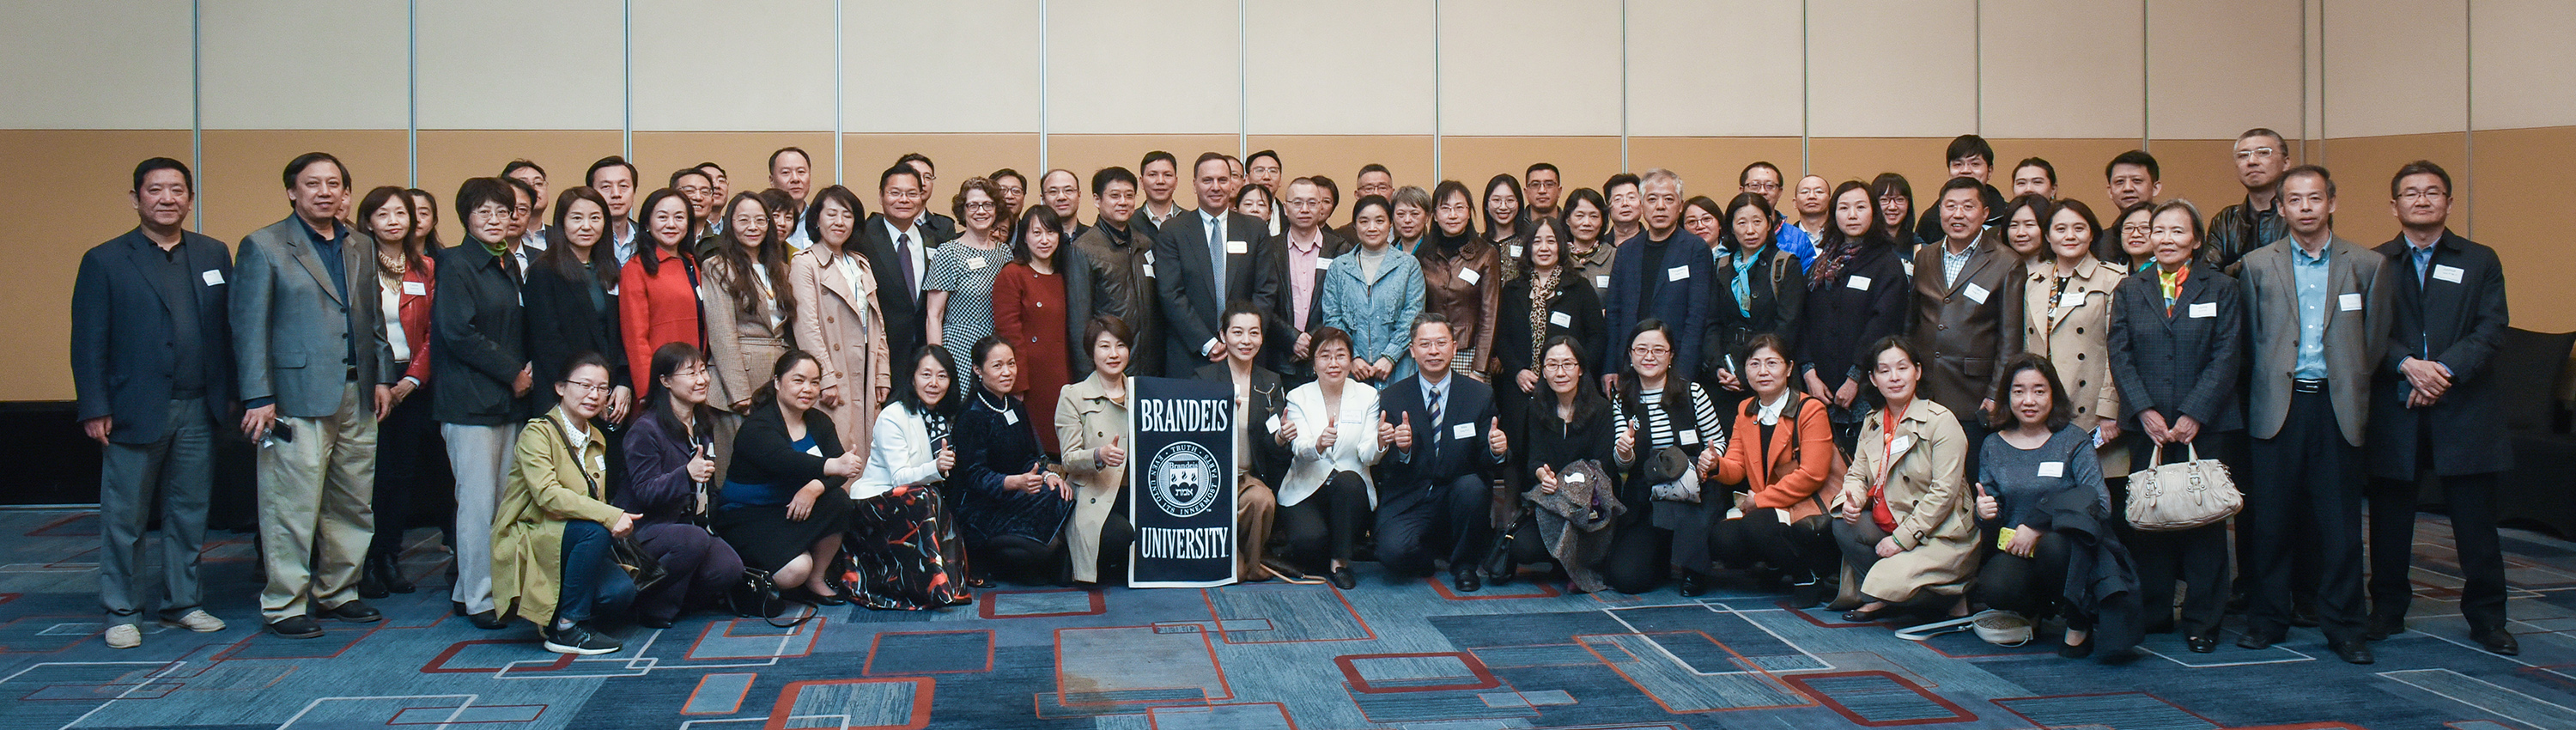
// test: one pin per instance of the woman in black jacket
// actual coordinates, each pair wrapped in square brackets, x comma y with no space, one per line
[1855,296]
[1547,302]
[670,464]
[1570,423]
[1773,286]
[784,506]
[570,309]
[1011,506]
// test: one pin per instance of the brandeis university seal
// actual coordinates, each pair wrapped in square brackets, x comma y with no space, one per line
[1183,479]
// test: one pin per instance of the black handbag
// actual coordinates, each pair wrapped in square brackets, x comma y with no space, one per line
[756,596]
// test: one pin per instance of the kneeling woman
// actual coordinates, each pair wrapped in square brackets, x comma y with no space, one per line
[1091,423]
[784,507]
[1782,450]
[1011,506]
[903,537]
[2035,466]
[551,562]
[670,460]
[1666,526]
[1905,527]
[1332,430]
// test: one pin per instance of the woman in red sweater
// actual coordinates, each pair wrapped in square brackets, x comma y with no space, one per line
[657,293]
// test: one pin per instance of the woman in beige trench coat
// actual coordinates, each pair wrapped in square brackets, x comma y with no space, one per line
[1091,425]
[1906,528]
[838,317]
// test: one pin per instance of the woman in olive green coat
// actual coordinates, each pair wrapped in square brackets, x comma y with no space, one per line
[551,558]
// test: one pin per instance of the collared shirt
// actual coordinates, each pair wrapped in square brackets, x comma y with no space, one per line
[187,343]
[1953,262]
[2311,275]
[912,249]
[621,240]
[1147,210]
[796,239]
[1302,275]
[2423,257]
[328,250]
[1769,413]
[1435,399]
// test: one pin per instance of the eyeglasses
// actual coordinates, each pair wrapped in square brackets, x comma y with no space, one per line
[1655,350]
[589,387]
[2256,152]
[1563,366]
[1762,187]
[2416,195]
[981,205]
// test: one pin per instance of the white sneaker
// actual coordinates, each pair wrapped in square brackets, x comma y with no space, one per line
[196,620]
[124,636]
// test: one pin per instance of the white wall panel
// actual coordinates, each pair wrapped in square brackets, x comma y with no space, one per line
[1488,74]
[566,70]
[2219,67]
[749,66]
[1144,67]
[1339,67]
[2064,68]
[306,64]
[111,64]
[1880,69]
[2521,72]
[2399,66]
[948,66]
[1714,68]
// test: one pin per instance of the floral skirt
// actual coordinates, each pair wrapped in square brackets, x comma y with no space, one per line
[904,552]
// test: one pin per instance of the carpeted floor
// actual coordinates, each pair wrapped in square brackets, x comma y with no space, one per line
[1247,657]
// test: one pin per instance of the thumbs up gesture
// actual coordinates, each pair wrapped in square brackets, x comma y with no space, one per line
[1627,441]
[1987,508]
[1111,456]
[1331,434]
[1494,438]
[1546,480]
[1403,433]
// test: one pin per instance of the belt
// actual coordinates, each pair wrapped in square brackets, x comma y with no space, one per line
[2303,385]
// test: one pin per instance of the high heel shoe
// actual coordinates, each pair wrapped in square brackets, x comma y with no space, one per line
[2077,650]
[1866,615]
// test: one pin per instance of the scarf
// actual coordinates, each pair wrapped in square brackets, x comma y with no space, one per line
[1831,261]
[1542,293]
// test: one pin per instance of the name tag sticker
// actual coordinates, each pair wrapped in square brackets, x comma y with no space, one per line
[1858,282]
[1237,247]
[1149,271]
[2052,469]
[1323,264]
[1899,446]
[975,264]
[213,277]
[2349,302]
[1600,281]
[2447,273]
[1463,431]
[1977,293]
[1011,417]
[413,288]
[1149,258]
[1470,276]
[1560,319]
[2204,310]
[1575,477]
[1677,273]
[1690,436]
[1516,250]
[1271,425]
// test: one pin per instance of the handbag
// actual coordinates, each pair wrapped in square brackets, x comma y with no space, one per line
[2181,495]
[756,596]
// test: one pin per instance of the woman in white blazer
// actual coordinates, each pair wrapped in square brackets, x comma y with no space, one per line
[904,542]
[1333,430]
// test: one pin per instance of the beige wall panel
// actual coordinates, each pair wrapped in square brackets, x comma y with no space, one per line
[1339,67]
[2202,171]
[2515,172]
[64,201]
[305,65]
[2064,69]
[2219,67]
[449,156]
[2521,75]
[953,66]
[1893,69]
[1473,160]
[956,156]
[1088,153]
[2361,168]
[1407,157]
[2078,161]
[1714,68]
[64,73]
[1143,67]
[1708,165]
[743,66]
[240,185]
[744,155]
[1487,77]
[476,73]
[1863,158]
[2398,67]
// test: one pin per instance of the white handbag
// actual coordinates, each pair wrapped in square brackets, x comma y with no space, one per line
[2181,495]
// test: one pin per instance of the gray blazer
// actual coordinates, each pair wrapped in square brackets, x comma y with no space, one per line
[2354,339]
[291,328]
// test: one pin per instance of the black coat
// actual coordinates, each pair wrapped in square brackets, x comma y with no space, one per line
[1545,440]
[1777,294]
[1279,343]
[121,348]
[1437,454]
[479,340]
[2185,363]
[2101,578]
[763,454]
[1580,307]
[563,323]
[1844,317]
[2456,317]
[1183,283]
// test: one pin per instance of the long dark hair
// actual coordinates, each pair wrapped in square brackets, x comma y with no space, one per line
[558,254]
[908,392]
[772,249]
[647,246]
[1586,398]
[1869,364]
[424,203]
[1520,209]
[1037,217]
[667,361]
[1877,233]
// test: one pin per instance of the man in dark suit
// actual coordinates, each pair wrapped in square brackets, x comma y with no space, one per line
[1660,273]
[1260,459]
[942,228]
[152,366]
[1433,496]
[2433,409]
[898,248]
[1967,308]
[1204,260]
[2316,306]
[1300,255]
[315,374]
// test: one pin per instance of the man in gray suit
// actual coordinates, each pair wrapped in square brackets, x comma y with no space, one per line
[1207,259]
[314,378]
[2317,306]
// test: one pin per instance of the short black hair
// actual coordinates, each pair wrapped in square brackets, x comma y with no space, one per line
[479,190]
[524,187]
[1969,145]
[1629,179]
[522,164]
[2317,170]
[1381,169]
[1206,157]
[2418,167]
[1272,154]
[1113,174]
[800,152]
[1159,155]
[912,157]
[687,171]
[189,179]
[900,169]
[2135,157]
[710,165]
[296,167]
[1742,178]
[2038,163]
[1963,183]
[997,176]
[590,178]
[1535,167]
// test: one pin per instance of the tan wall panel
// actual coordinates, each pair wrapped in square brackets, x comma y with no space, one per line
[2517,171]
[2078,161]
[472,77]
[695,65]
[1143,67]
[449,156]
[1893,69]
[1088,153]
[2361,169]
[1339,67]
[1714,68]
[1708,165]
[2219,67]
[58,54]
[2063,68]
[953,66]
[2202,171]
[1473,160]
[957,156]
[1863,158]
[2395,67]
[69,195]
[241,186]
[1407,157]
[2519,63]
[1487,77]
[304,65]
[744,155]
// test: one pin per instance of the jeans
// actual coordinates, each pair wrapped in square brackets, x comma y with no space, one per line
[591,583]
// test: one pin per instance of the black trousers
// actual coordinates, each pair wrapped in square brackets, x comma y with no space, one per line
[1020,558]
[1416,525]
[411,472]
[2197,558]
[2305,496]
[1803,549]
[1324,527]
[2473,534]
[2032,586]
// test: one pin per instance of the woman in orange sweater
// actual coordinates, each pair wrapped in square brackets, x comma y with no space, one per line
[657,293]
[1781,455]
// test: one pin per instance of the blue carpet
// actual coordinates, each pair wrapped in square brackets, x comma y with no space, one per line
[1390,654]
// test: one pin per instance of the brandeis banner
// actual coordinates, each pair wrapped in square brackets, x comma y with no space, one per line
[1181,483]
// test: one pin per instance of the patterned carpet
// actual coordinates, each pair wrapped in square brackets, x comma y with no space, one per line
[1248,657]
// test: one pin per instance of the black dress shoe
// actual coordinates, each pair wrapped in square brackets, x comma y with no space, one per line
[2383,626]
[2305,617]
[2352,651]
[296,627]
[835,599]
[487,620]
[2498,641]
[355,611]
[393,577]
[1342,578]
[2257,641]
[1466,581]
[371,585]
[2201,644]
[1863,615]
[655,622]
[2076,650]
[1692,585]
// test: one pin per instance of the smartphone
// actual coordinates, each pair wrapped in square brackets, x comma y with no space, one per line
[280,432]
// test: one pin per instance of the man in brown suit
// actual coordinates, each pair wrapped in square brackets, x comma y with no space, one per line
[1967,309]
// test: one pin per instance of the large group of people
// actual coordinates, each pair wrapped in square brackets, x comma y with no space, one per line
[1896,404]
